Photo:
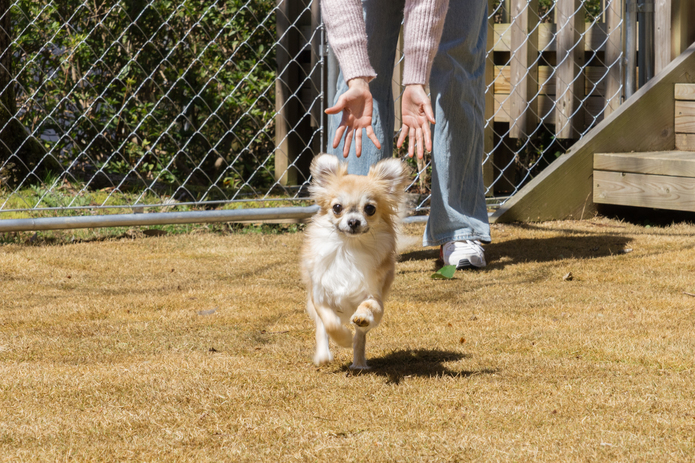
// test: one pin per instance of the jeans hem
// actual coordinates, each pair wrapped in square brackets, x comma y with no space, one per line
[462,237]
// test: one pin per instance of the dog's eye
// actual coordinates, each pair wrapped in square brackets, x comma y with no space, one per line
[369,209]
[337,208]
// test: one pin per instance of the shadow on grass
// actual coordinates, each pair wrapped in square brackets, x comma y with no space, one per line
[501,254]
[554,249]
[419,362]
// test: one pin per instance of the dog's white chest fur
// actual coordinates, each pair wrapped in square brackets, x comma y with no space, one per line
[343,270]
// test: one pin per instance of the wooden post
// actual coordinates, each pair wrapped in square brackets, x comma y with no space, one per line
[662,34]
[614,47]
[569,74]
[524,68]
[489,134]
[295,89]
[286,107]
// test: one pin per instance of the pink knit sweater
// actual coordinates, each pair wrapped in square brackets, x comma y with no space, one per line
[424,21]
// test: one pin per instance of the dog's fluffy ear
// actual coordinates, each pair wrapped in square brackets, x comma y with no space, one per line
[393,172]
[324,169]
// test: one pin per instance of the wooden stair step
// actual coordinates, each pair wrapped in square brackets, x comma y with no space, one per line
[675,163]
[684,92]
[660,179]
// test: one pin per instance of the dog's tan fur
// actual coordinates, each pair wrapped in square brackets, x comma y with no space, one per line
[349,272]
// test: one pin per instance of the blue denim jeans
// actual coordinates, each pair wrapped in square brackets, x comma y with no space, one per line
[457,86]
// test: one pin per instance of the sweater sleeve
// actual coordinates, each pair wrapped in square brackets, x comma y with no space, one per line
[347,35]
[424,23]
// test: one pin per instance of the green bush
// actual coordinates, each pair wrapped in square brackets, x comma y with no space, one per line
[171,92]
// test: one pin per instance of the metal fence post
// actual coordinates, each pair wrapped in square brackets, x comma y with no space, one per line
[489,134]
[645,61]
[630,47]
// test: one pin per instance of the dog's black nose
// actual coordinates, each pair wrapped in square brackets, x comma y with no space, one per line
[353,223]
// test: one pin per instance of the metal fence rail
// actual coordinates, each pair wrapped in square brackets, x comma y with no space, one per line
[173,106]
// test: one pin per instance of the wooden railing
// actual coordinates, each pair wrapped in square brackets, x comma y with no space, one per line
[568,71]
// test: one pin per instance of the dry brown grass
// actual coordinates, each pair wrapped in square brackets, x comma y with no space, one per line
[104,354]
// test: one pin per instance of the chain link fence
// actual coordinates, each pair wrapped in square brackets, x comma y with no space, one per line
[174,105]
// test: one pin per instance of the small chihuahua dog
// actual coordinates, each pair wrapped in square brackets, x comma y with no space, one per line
[349,253]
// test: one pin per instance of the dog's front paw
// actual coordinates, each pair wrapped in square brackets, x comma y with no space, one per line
[363,366]
[362,318]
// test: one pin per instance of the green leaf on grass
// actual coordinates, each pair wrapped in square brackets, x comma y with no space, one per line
[445,273]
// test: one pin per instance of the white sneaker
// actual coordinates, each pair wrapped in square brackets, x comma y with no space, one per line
[463,254]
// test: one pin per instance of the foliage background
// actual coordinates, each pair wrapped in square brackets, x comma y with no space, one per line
[157,91]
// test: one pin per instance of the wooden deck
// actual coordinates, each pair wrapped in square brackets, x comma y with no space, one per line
[651,132]
[661,179]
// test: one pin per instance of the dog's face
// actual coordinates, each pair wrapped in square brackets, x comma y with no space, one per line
[355,204]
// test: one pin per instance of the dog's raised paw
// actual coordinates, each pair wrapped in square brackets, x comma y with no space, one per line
[360,320]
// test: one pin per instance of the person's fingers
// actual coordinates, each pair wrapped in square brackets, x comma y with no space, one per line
[420,148]
[348,142]
[411,142]
[427,133]
[339,106]
[401,137]
[372,136]
[358,142]
[338,135]
[429,113]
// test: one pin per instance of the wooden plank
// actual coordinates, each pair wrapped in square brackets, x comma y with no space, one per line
[501,76]
[662,34]
[684,92]
[640,190]
[614,48]
[644,123]
[503,79]
[670,163]
[569,81]
[685,141]
[593,75]
[685,116]
[524,68]
[595,37]
[546,108]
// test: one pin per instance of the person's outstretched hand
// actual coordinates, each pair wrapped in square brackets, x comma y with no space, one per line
[416,115]
[356,105]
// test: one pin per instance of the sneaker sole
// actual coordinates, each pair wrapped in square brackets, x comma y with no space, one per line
[466,264]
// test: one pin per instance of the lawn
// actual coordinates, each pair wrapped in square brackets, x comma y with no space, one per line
[195,347]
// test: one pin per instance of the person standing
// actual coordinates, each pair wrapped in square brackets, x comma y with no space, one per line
[444,46]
